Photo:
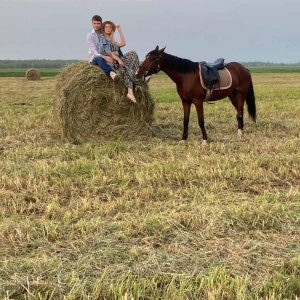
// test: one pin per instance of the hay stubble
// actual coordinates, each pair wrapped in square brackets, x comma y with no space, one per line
[151,219]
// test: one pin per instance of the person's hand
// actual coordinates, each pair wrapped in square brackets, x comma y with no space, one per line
[118,27]
[121,64]
[108,59]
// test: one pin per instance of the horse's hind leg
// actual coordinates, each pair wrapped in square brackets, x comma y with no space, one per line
[238,101]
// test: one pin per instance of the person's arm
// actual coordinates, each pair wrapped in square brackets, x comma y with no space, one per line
[122,42]
[117,58]
[93,49]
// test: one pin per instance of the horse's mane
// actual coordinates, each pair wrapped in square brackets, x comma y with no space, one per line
[181,65]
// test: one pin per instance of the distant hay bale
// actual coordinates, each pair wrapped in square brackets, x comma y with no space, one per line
[89,106]
[33,74]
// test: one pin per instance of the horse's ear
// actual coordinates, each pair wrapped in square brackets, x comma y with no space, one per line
[162,50]
[157,48]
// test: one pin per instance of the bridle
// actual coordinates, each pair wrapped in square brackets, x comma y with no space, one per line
[158,65]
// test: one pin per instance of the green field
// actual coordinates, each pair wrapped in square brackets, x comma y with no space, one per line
[54,72]
[152,218]
[22,72]
[275,69]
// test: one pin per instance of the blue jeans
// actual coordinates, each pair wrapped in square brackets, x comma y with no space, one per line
[102,64]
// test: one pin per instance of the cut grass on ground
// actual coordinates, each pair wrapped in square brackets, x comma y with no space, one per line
[152,219]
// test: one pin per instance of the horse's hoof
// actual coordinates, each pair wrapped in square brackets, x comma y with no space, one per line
[240,133]
[182,141]
[204,143]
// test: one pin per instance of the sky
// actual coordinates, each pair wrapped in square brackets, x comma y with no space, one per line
[199,30]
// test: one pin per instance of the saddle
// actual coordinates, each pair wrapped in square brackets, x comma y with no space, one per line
[210,72]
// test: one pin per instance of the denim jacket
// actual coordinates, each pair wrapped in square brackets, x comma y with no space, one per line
[104,46]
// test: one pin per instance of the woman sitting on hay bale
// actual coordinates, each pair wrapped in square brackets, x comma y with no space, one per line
[127,63]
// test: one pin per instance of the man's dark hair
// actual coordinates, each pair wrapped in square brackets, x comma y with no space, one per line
[97,18]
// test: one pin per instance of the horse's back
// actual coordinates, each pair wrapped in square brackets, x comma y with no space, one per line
[231,66]
[238,71]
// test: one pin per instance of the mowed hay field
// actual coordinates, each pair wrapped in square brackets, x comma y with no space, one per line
[152,218]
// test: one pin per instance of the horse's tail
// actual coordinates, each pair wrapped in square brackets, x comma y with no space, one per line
[250,100]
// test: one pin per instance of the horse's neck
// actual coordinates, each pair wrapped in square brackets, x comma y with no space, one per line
[167,65]
[175,76]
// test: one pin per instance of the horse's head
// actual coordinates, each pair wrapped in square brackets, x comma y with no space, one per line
[151,64]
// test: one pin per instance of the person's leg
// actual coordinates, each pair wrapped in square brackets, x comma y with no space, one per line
[128,83]
[130,95]
[103,65]
[131,63]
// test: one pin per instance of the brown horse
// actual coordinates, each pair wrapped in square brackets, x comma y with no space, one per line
[185,74]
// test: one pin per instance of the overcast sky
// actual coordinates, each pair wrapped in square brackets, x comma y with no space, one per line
[237,30]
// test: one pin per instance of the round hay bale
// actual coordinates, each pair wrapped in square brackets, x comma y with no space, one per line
[33,74]
[89,106]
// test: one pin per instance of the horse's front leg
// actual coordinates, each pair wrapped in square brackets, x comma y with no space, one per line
[200,114]
[186,119]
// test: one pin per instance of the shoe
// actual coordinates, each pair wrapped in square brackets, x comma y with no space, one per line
[117,78]
[147,79]
[112,75]
[131,98]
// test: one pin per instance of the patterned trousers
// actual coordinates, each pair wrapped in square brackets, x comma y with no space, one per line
[131,64]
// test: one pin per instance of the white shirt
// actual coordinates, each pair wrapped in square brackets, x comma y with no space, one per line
[93,42]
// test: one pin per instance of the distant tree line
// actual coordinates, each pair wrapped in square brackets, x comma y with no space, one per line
[59,63]
[268,64]
[35,63]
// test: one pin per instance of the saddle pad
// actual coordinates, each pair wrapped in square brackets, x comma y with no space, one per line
[225,79]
